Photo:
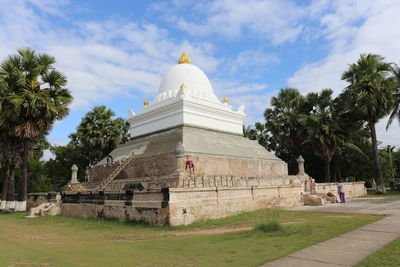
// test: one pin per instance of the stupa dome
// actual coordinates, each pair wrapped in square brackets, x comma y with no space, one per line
[189,76]
[186,97]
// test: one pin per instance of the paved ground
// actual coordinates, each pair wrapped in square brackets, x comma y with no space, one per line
[349,248]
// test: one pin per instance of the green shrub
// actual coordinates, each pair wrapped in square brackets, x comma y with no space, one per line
[268,227]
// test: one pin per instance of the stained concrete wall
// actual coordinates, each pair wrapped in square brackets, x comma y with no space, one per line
[213,153]
[177,206]
[242,167]
[140,168]
[187,205]
[149,206]
[198,180]
[353,189]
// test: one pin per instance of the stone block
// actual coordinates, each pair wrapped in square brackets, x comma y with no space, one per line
[313,200]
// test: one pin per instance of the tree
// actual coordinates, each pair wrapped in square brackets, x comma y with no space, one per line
[386,156]
[58,168]
[249,132]
[259,133]
[371,90]
[283,124]
[396,107]
[35,98]
[98,133]
[322,127]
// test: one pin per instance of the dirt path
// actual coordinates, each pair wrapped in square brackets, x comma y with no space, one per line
[213,231]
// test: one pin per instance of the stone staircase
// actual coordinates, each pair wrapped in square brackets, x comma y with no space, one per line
[115,173]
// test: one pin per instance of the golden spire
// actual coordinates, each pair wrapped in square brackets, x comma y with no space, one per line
[184,59]
[226,100]
[146,102]
[183,85]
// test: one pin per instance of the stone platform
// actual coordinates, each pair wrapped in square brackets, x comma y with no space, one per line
[175,206]
[160,158]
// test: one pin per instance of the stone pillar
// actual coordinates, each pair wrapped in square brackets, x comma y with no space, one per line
[300,161]
[74,174]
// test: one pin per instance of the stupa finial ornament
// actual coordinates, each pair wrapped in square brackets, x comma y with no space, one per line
[184,59]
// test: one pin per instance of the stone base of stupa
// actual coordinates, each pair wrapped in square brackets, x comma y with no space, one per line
[220,159]
[232,174]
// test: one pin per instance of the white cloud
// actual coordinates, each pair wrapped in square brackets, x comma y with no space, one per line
[244,88]
[352,28]
[390,136]
[274,20]
[255,104]
[256,61]
[100,59]
[252,95]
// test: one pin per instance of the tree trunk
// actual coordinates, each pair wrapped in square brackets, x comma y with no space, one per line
[334,169]
[10,199]
[338,172]
[380,183]
[5,190]
[327,171]
[23,183]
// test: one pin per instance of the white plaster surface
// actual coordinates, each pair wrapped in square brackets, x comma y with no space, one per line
[20,205]
[186,97]
[192,77]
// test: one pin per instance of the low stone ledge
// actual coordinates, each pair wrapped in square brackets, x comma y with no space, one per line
[353,189]
[220,188]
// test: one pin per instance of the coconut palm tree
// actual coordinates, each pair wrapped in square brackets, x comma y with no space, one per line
[371,90]
[396,108]
[36,97]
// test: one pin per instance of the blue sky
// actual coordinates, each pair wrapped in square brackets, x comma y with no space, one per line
[115,53]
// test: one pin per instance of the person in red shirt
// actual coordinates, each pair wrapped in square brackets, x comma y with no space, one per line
[189,165]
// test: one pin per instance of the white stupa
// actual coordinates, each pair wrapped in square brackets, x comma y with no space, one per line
[185,123]
[186,97]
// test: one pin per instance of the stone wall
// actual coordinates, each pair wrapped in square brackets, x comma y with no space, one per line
[35,199]
[198,180]
[148,206]
[187,205]
[176,206]
[212,165]
[140,168]
[163,170]
[164,153]
[355,189]
[184,180]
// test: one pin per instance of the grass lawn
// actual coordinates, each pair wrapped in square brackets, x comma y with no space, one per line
[389,193]
[66,241]
[388,256]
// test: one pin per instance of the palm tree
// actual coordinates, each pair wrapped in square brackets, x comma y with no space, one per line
[322,127]
[259,133]
[371,91]
[36,98]
[396,108]
[249,132]
[283,124]
[98,133]
[10,158]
